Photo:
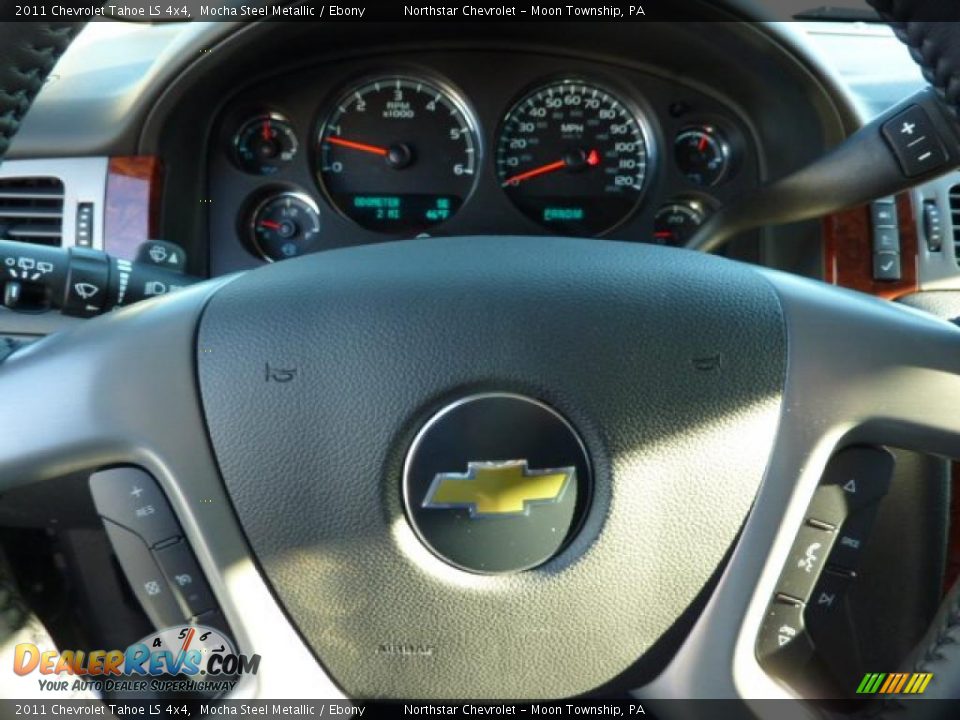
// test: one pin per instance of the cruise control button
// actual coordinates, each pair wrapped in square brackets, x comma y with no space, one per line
[145,577]
[854,479]
[783,642]
[130,497]
[806,560]
[852,538]
[186,578]
[826,604]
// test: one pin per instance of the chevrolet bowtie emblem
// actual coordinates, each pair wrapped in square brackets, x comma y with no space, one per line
[490,489]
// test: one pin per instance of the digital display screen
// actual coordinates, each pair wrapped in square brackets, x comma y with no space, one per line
[407,212]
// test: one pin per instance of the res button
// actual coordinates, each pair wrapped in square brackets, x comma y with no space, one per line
[130,497]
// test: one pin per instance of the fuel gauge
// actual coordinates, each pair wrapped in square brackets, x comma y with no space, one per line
[285,225]
[264,144]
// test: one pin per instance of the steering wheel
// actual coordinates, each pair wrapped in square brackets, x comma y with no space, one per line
[492,466]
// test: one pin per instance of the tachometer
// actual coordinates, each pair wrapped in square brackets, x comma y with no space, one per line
[573,158]
[398,155]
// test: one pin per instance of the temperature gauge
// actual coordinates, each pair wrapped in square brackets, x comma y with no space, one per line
[264,144]
[703,155]
[677,222]
[285,226]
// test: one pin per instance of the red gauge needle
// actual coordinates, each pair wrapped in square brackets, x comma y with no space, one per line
[265,130]
[363,147]
[665,235]
[592,159]
[270,224]
[702,145]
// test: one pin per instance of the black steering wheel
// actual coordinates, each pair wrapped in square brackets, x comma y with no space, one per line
[335,435]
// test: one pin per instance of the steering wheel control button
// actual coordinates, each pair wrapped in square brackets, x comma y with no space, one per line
[855,478]
[915,141]
[185,577]
[807,558]
[130,497]
[852,539]
[826,603]
[784,641]
[145,577]
[496,483]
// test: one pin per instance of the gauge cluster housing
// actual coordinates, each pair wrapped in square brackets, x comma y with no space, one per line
[486,84]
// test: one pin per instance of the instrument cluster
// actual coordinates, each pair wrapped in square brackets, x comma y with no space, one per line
[463,144]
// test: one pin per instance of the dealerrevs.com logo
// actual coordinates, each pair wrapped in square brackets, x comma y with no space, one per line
[189,658]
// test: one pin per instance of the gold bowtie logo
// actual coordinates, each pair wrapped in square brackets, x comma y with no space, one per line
[490,489]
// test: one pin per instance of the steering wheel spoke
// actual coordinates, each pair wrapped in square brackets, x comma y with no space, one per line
[121,391]
[861,372]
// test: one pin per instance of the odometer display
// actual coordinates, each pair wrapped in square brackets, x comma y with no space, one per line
[398,155]
[573,158]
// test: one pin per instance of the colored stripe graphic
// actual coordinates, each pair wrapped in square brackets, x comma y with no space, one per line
[894,683]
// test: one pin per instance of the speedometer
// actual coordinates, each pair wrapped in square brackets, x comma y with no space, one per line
[573,158]
[398,154]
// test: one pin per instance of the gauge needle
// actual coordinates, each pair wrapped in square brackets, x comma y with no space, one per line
[265,130]
[270,224]
[363,147]
[592,159]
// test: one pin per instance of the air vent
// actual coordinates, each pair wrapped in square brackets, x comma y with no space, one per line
[31,210]
[955,220]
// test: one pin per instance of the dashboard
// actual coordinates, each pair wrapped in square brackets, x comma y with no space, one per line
[469,142]
[246,143]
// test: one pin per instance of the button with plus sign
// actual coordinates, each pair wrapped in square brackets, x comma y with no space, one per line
[131,498]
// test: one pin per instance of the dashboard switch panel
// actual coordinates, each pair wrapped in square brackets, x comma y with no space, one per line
[131,498]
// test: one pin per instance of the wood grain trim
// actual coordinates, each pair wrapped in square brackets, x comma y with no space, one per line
[848,251]
[132,211]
